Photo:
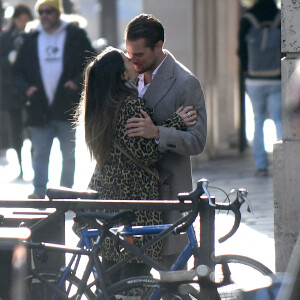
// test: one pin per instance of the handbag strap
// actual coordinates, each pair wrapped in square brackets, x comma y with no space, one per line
[135,161]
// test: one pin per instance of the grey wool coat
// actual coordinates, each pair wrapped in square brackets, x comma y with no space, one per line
[174,85]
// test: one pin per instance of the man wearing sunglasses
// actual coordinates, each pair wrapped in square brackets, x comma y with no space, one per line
[48,71]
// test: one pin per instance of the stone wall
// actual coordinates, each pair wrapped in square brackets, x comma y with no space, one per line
[287,151]
[203,35]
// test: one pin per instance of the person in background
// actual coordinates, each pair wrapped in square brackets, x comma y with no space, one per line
[166,84]
[126,167]
[264,90]
[49,71]
[12,102]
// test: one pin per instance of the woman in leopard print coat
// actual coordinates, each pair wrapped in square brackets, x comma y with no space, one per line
[109,100]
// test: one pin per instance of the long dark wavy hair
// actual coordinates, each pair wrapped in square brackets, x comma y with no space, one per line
[104,92]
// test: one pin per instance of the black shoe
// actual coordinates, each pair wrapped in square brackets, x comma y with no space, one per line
[19,179]
[35,196]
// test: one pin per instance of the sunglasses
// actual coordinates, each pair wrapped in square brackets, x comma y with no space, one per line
[48,11]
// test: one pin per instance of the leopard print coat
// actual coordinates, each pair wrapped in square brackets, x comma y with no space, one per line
[120,178]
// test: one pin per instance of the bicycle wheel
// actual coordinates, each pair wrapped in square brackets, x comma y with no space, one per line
[245,273]
[37,290]
[143,288]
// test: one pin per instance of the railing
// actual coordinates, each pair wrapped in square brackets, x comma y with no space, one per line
[61,206]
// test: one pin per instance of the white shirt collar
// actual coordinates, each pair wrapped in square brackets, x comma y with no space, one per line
[141,85]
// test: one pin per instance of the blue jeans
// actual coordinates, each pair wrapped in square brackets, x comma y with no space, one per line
[264,98]
[42,138]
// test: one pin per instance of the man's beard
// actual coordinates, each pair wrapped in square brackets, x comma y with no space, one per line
[147,68]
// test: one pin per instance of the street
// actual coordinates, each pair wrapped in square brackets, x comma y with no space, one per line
[254,238]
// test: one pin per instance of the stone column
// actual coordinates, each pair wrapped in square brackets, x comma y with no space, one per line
[287,151]
[202,34]
[1,14]
[109,22]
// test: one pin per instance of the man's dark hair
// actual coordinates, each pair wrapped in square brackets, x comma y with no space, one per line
[145,26]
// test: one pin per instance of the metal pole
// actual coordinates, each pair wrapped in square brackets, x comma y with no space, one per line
[243,140]
[1,15]
[1,24]
[207,239]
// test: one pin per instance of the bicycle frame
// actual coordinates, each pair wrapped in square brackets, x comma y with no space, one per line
[84,247]
[94,265]
[158,231]
[90,234]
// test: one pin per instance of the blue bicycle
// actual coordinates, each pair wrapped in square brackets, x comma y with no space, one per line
[225,278]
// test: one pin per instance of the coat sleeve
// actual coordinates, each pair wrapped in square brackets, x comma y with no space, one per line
[20,70]
[142,149]
[84,50]
[191,141]
[175,121]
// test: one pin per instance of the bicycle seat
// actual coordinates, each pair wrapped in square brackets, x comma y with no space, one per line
[66,193]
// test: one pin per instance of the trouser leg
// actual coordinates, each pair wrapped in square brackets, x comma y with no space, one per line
[42,139]
[258,98]
[16,133]
[66,137]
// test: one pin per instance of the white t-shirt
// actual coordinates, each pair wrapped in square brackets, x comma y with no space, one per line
[51,51]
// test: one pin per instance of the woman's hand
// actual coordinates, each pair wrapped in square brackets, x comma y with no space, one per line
[188,114]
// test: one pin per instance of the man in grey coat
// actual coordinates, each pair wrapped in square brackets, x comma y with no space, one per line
[166,85]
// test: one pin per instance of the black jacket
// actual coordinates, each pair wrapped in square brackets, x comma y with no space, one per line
[264,11]
[10,39]
[77,50]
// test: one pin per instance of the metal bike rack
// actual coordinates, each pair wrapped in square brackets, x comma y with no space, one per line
[207,216]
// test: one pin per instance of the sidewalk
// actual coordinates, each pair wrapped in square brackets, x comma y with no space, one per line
[254,238]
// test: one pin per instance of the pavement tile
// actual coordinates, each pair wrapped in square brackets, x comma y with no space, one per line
[255,237]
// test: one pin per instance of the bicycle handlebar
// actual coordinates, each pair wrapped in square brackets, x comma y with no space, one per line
[235,208]
[195,197]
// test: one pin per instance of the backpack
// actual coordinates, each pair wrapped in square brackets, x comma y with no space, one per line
[264,47]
